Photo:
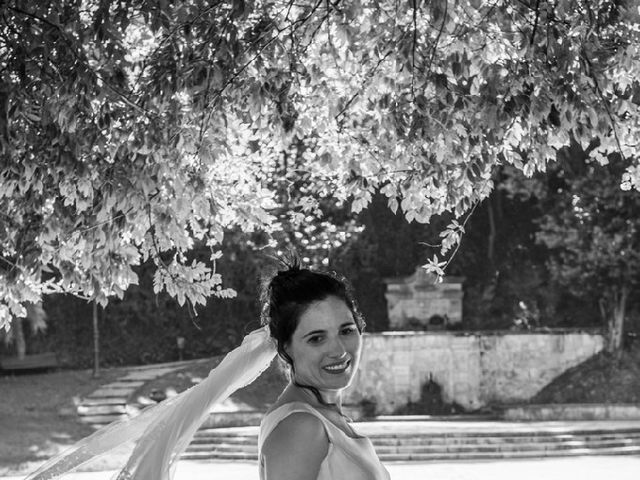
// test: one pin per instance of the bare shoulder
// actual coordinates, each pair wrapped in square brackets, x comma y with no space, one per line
[296,428]
[296,447]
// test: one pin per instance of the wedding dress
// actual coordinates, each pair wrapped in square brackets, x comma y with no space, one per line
[348,458]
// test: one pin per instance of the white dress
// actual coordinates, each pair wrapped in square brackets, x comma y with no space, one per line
[348,458]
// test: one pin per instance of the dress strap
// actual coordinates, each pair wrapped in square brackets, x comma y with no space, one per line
[273,418]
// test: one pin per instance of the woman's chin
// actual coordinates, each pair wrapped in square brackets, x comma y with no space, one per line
[338,382]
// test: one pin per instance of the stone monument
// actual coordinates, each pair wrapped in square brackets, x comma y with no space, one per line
[418,302]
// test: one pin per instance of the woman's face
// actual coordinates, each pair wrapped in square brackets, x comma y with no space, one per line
[326,345]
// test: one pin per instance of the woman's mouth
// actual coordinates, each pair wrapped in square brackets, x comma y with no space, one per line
[337,368]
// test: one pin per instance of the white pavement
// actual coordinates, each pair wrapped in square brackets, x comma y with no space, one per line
[575,468]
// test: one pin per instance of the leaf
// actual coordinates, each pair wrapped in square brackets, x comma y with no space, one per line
[393,204]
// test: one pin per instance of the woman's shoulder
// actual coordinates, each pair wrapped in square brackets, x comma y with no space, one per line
[295,446]
[290,406]
[294,429]
[297,420]
[298,426]
[291,414]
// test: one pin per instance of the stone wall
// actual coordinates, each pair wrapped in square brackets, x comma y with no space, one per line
[474,369]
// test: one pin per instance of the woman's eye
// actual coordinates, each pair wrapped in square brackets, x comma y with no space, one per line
[348,330]
[315,339]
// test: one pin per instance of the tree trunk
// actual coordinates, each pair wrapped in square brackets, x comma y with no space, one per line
[96,342]
[614,317]
[491,241]
[18,337]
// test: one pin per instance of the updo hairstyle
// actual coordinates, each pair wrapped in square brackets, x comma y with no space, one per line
[291,291]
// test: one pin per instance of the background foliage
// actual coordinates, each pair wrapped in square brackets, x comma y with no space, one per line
[513,287]
[134,133]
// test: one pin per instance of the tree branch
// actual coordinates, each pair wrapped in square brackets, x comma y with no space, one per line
[367,77]
[294,26]
[535,24]
[598,91]
[171,33]
[79,58]
[413,49]
[435,46]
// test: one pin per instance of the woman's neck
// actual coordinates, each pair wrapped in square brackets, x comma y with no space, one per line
[329,397]
[332,397]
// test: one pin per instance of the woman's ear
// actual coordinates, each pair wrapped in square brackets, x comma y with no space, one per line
[286,356]
[286,348]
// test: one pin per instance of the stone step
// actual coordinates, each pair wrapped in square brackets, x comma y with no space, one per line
[475,455]
[493,430]
[536,447]
[145,375]
[227,456]
[534,443]
[501,434]
[123,383]
[635,450]
[101,420]
[104,392]
[198,440]
[427,438]
[222,448]
[567,444]
[85,410]
[173,366]
[241,443]
[231,419]
[503,439]
[87,401]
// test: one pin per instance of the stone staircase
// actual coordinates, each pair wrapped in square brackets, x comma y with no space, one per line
[461,444]
[111,401]
[394,438]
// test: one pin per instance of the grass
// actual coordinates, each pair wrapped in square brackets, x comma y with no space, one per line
[38,415]
[603,378]
[38,411]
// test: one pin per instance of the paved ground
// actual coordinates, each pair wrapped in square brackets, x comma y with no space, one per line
[577,468]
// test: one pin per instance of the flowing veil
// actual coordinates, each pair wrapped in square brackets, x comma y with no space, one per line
[148,445]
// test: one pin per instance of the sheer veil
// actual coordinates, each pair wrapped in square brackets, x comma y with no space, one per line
[147,445]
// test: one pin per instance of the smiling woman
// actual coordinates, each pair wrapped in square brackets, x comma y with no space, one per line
[317,327]
[311,320]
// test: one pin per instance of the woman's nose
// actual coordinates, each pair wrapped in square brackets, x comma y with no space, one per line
[337,348]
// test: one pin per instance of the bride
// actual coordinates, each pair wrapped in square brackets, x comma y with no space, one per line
[312,322]
[317,328]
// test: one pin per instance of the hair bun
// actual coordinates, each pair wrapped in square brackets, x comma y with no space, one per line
[290,268]
[290,262]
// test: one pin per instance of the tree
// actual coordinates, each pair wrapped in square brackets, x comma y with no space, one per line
[591,227]
[35,317]
[132,130]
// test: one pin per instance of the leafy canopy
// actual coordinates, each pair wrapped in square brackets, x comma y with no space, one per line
[130,130]
[590,227]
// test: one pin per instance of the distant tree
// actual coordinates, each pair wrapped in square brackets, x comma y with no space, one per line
[133,130]
[592,229]
[35,318]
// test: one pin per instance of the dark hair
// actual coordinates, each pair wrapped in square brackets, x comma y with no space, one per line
[290,292]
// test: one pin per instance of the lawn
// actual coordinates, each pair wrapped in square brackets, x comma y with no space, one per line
[603,378]
[38,411]
[38,415]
